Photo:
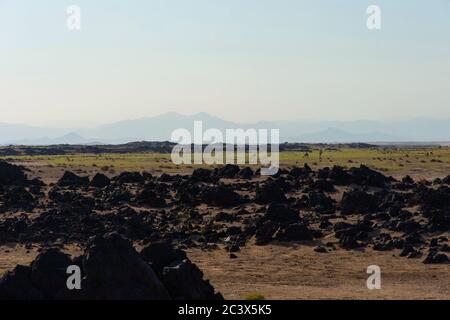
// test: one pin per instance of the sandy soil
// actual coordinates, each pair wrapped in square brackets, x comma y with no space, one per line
[286,271]
[295,271]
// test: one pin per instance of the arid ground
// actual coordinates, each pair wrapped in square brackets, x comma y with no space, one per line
[282,269]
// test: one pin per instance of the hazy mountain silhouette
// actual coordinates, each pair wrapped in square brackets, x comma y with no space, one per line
[160,128]
[333,135]
[70,138]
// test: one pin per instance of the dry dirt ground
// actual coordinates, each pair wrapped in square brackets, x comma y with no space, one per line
[297,272]
[289,271]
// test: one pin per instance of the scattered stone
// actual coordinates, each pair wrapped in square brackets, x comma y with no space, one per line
[320,249]
[436,258]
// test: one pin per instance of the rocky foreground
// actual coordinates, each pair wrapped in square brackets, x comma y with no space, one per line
[232,207]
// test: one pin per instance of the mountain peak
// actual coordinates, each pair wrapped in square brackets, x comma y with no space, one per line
[203,114]
[169,114]
[161,127]
[72,135]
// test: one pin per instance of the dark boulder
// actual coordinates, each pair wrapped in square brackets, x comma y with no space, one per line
[130,177]
[161,254]
[432,199]
[383,242]
[166,178]
[228,171]
[44,279]
[325,223]
[186,195]
[184,281]
[281,213]
[436,258]
[295,232]
[221,196]
[16,198]
[365,176]
[339,176]
[323,185]
[320,249]
[13,228]
[48,273]
[246,173]
[70,179]
[438,220]
[150,198]
[270,192]
[446,180]
[414,239]
[321,202]
[11,174]
[349,241]
[302,173]
[17,285]
[114,270]
[350,235]
[410,252]
[265,232]
[135,227]
[408,226]
[408,180]
[358,201]
[203,175]
[100,181]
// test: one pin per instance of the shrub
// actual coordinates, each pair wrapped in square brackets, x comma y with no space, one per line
[255,296]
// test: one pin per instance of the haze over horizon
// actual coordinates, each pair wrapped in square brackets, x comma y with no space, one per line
[96,122]
[242,61]
[160,128]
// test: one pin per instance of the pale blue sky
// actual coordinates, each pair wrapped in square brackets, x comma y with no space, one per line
[241,60]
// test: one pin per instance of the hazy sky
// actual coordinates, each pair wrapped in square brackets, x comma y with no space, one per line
[241,60]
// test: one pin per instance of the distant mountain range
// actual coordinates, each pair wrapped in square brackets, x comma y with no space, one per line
[160,128]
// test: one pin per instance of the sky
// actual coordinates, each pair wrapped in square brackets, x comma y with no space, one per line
[241,60]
